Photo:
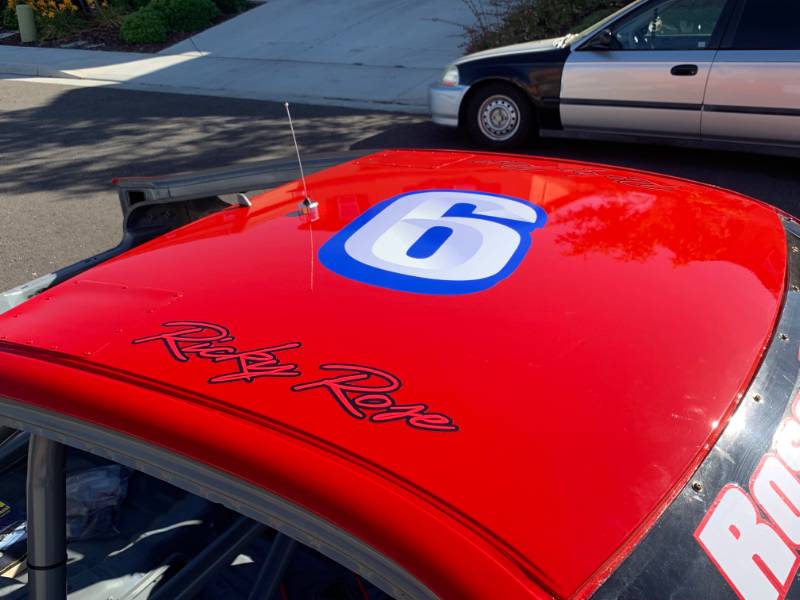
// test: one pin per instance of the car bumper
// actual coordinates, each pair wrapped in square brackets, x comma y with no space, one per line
[445,102]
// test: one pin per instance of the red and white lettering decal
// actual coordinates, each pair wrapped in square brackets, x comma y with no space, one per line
[755,559]
[777,492]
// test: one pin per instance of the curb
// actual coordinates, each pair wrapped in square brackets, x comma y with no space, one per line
[44,72]
[355,103]
[34,71]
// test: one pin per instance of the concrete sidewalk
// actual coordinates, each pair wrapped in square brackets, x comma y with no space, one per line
[362,53]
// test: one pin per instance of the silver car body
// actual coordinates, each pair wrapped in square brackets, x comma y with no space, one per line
[634,92]
[753,95]
[742,95]
[445,103]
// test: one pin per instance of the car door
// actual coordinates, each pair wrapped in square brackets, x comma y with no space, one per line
[754,87]
[646,72]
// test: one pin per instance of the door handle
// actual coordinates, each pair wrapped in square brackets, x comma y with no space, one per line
[684,70]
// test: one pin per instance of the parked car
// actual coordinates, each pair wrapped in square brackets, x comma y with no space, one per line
[435,375]
[709,70]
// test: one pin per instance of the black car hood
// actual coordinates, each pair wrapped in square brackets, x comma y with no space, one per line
[523,48]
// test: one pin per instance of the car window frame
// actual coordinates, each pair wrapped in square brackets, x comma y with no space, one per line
[720,30]
[223,488]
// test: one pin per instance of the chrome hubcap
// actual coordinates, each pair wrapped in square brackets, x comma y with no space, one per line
[498,118]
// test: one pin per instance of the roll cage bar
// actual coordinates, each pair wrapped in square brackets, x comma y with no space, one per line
[46,520]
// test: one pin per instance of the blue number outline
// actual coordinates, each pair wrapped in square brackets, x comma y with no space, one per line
[334,257]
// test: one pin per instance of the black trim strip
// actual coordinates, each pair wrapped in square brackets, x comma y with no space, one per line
[753,110]
[750,110]
[631,104]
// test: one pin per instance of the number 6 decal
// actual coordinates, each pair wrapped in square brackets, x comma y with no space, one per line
[435,241]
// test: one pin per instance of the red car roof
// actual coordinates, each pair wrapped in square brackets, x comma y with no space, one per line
[494,443]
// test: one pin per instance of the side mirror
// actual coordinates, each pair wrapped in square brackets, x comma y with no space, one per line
[601,41]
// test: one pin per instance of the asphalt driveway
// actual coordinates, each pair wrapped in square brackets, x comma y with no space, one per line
[62,145]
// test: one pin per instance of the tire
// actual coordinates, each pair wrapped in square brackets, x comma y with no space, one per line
[499,116]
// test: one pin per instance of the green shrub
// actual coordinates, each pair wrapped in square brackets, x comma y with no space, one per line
[514,21]
[185,15]
[231,6]
[10,18]
[145,26]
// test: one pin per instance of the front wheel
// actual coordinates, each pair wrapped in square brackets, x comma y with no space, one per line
[499,116]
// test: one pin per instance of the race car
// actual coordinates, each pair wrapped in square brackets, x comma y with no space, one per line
[414,374]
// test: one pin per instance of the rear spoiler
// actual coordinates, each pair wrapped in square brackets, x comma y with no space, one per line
[144,199]
[152,206]
[136,191]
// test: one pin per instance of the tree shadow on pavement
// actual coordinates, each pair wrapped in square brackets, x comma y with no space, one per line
[61,146]
[75,139]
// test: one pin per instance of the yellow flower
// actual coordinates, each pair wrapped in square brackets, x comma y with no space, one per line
[51,14]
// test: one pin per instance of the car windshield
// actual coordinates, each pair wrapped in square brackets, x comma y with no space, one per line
[599,24]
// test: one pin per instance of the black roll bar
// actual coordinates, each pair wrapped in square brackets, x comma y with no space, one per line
[275,564]
[46,520]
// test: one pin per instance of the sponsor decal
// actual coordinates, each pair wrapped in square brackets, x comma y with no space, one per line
[209,341]
[435,241]
[363,392]
[753,535]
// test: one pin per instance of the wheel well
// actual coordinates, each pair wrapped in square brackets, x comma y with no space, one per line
[475,88]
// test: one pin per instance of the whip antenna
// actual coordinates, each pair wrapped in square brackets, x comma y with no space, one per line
[307,206]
